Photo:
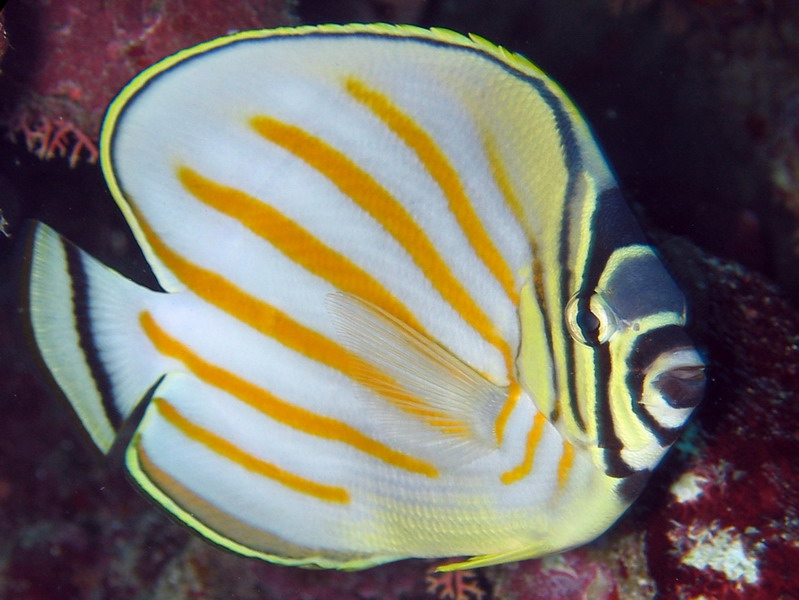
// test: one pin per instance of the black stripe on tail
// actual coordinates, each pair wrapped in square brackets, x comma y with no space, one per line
[80,304]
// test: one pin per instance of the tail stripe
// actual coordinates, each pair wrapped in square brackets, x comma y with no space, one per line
[80,307]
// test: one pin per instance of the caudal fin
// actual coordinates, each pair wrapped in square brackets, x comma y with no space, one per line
[84,321]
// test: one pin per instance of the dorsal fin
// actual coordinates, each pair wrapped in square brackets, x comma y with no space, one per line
[448,404]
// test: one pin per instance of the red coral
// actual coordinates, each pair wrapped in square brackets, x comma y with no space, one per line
[575,575]
[361,11]
[731,520]
[70,59]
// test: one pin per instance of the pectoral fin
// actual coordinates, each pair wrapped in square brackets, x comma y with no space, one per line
[445,403]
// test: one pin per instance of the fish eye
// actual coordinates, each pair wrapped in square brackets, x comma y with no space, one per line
[590,320]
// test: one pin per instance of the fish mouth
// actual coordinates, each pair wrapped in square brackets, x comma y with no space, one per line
[683,385]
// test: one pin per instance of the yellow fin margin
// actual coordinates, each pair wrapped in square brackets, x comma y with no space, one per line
[488,560]
[135,459]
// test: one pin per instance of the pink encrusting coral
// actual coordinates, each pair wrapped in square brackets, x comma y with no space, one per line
[69,59]
[575,575]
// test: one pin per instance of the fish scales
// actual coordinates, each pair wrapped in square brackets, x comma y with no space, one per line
[404,312]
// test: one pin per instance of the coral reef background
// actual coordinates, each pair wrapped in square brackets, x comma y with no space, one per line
[696,103]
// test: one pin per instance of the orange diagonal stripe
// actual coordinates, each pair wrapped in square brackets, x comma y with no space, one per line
[565,463]
[514,393]
[256,465]
[443,173]
[270,321]
[295,242]
[533,438]
[367,193]
[274,407]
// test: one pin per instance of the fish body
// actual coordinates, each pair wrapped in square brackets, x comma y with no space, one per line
[404,310]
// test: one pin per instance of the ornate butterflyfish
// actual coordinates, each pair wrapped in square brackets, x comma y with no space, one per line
[404,310]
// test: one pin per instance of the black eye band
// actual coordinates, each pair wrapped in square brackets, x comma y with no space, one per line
[588,322]
[654,343]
